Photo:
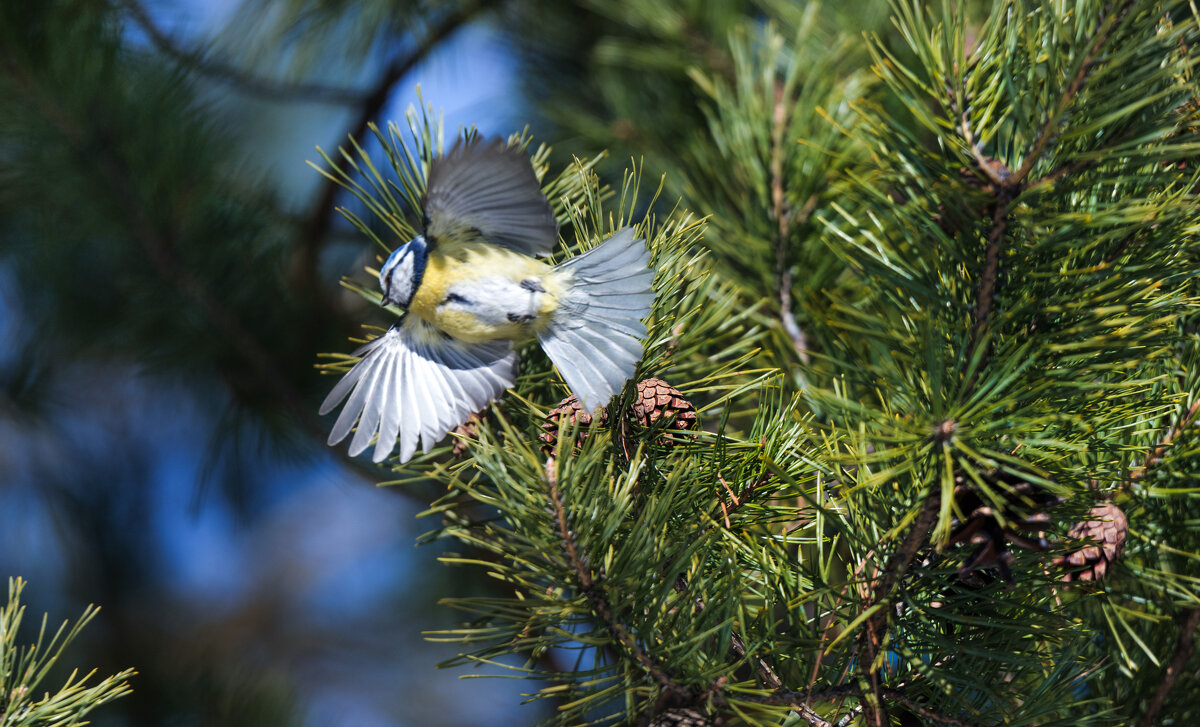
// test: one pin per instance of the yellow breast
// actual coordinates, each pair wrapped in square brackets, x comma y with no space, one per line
[469,289]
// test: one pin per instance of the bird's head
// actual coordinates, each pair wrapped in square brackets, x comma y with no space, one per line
[401,274]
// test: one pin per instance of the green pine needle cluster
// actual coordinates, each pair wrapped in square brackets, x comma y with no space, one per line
[964,274]
[23,669]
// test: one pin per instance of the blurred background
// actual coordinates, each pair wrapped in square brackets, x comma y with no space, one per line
[169,273]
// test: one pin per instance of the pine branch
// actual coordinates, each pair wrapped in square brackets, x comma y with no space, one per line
[1156,455]
[1007,186]
[874,710]
[783,276]
[198,61]
[597,600]
[24,668]
[1081,73]
[1184,646]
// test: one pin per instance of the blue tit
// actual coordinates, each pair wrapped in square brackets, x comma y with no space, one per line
[471,286]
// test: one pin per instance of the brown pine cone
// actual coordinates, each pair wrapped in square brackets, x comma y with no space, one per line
[1106,530]
[566,414]
[681,718]
[467,429]
[657,404]
[659,401]
[979,524]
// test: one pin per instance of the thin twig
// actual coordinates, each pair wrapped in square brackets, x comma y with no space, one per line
[199,62]
[811,717]
[988,277]
[1184,646]
[736,501]
[783,277]
[849,716]
[765,672]
[792,698]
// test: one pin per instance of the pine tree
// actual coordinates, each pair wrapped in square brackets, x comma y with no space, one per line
[946,473]
[914,440]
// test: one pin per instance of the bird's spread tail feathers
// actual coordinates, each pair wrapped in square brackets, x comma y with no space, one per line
[595,335]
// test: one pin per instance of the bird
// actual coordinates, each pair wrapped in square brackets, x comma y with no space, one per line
[469,287]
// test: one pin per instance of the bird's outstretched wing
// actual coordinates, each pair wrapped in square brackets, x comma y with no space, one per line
[415,383]
[490,187]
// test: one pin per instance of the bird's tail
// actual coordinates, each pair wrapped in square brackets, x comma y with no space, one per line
[595,335]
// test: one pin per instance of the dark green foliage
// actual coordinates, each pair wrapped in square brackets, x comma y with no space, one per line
[923,273]
[991,254]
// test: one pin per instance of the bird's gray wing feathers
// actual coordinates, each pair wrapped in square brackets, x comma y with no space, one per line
[414,384]
[491,187]
[595,337]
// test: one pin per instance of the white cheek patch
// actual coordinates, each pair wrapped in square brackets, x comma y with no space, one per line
[397,281]
[494,301]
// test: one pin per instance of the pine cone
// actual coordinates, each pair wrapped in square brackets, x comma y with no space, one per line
[659,401]
[980,526]
[681,718]
[567,413]
[657,404]
[467,429]
[1106,528]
